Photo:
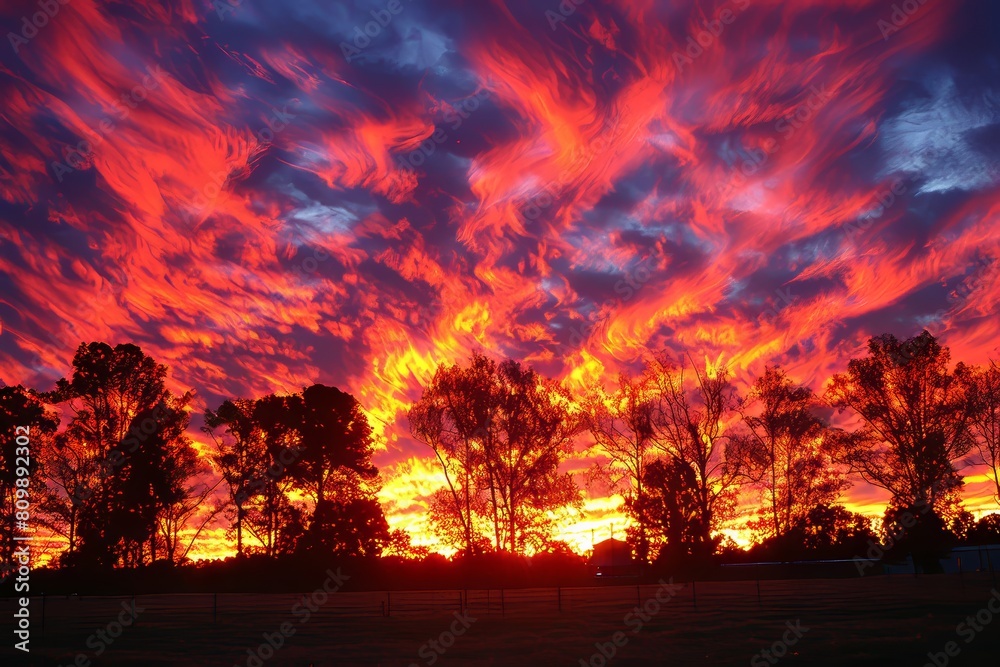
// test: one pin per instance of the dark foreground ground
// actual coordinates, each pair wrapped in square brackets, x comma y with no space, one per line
[863,621]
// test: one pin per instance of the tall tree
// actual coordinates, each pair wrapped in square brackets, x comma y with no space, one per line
[193,510]
[148,475]
[272,517]
[26,430]
[189,507]
[500,433]
[333,466]
[240,456]
[689,426]
[914,417]
[621,423]
[68,469]
[452,418]
[782,449]
[982,387]
[124,453]
[528,437]
[672,506]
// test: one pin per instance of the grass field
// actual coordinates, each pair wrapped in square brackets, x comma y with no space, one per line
[864,621]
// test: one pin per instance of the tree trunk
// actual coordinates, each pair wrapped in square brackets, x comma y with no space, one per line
[239,531]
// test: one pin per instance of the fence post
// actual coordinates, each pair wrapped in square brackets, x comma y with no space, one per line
[694,593]
[489,608]
[460,601]
[388,603]
[503,609]
[133,608]
[559,598]
[638,597]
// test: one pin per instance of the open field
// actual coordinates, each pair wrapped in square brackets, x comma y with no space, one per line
[864,621]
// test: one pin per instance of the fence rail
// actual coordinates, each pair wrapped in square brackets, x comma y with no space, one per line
[63,611]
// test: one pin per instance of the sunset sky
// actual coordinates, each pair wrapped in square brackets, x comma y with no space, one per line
[268,194]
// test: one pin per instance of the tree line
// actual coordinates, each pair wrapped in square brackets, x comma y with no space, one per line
[682,447]
[114,474]
[122,484]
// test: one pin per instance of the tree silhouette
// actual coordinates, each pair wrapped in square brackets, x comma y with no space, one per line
[622,426]
[782,451]
[274,520]
[18,407]
[985,531]
[68,469]
[827,528]
[148,478]
[914,421]
[123,460]
[452,418]
[528,438]
[240,455]
[982,387]
[688,422]
[401,545]
[125,487]
[448,520]
[500,432]
[333,467]
[672,505]
[825,531]
[183,514]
